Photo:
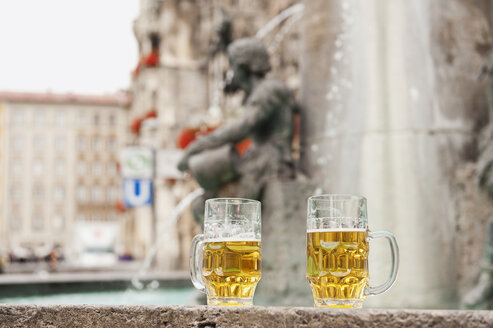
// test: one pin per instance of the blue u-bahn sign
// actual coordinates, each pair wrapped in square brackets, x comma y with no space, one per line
[137,192]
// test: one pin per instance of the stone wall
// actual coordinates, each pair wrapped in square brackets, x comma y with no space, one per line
[219,317]
[392,109]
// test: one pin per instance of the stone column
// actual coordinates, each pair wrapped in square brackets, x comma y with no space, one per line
[392,107]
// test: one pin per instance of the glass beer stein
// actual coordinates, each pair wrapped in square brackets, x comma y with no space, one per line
[337,247]
[225,259]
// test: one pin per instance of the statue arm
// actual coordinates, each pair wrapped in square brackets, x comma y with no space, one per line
[235,131]
[232,132]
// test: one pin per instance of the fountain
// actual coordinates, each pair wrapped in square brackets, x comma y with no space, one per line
[401,133]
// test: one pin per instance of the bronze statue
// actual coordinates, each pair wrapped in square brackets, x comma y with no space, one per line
[267,120]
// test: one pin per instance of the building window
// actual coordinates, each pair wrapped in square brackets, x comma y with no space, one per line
[39,117]
[39,143]
[155,41]
[81,194]
[15,222]
[17,117]
[38,221]
[59,194]
[38,168]
[17,143]
[112,144]
[37,193]
[112,120]
[59,168]
[97,194]
[58,221]
[81,143]
[81,168]
[16,195]
[16,168]
[97,143]
[96,119]
[60,119]
[82,119]
[111,169]
[113,194]
[60,144]
[97,169]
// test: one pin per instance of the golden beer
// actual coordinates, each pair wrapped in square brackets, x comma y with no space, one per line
[337,265]
[231,269]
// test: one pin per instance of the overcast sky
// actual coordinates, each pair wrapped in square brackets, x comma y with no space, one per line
[83,46]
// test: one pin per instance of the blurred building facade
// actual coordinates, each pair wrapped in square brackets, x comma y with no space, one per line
[59,166]
[176,92]
[2,176]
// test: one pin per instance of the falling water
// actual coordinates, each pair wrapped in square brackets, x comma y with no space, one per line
[175,215]
[279,36]
[278,19]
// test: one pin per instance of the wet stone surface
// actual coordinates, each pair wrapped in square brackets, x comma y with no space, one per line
[203,317]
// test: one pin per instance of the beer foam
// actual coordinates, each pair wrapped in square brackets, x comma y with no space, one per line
[219,240]
[338,230]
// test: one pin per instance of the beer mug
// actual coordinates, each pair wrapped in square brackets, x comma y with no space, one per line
[337,247]
[225,259]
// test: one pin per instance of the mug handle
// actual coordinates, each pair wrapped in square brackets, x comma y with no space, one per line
[195,262]
[394,250]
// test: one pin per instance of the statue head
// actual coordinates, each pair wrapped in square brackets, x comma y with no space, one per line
[247,58]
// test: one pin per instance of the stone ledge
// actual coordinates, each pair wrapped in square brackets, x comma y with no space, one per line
[218,317]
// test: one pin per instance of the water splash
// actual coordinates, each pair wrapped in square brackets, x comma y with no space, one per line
[278,19]
[175,215]
[283,32]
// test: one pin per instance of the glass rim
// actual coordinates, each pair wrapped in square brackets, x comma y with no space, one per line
[337,197]
[232,200]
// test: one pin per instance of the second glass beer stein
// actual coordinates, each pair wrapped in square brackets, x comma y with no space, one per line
[225,259]
[337,244]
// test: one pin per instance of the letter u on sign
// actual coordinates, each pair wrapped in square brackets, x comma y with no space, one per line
[137,192]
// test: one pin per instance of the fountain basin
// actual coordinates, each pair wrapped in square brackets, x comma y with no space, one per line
[30,288]
[203,316]
[158,296]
